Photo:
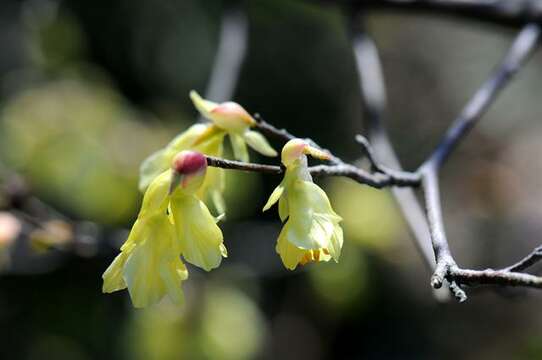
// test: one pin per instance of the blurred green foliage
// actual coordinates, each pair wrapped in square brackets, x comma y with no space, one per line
[54,41]
[225,325]
[370,217]
[344,285]
[79,146]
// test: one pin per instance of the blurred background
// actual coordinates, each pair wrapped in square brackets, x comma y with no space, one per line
[88,89]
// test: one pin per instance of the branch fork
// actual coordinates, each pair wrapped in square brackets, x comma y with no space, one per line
[426,224]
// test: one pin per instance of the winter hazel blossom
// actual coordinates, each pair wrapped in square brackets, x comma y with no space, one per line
[191,139]
[312,231]
[172,223]
[233,119]
[199,238]
[228,118]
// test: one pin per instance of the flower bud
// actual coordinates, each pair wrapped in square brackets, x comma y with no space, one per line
[295,148]
[229,116]
[189,162]
[189,169]
[232,116]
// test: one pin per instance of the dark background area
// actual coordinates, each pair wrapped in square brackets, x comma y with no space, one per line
[88,89]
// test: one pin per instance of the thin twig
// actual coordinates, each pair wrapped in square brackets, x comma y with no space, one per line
[379,167]
[522,47]
[443,257]
[376,180]
[244,166]
[369,153]
[383,178]
[373,97]
[284,135]
[446,268]
[495,277]
[513,13]
[534,257]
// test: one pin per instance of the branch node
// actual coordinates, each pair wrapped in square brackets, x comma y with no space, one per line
[368,151]
[457,292]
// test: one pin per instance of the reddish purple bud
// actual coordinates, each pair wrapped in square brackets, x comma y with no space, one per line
[189,162]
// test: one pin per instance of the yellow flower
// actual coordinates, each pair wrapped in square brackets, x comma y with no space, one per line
[199,238]
[228,118]
[312,231]
[199,138]
[233,119]
[147,264]
[172,222]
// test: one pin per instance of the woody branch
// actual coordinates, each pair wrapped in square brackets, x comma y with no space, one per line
[516,13]
[446,267]
[380,176]
[428,228]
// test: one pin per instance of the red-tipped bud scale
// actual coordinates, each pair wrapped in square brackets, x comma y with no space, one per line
[188,170]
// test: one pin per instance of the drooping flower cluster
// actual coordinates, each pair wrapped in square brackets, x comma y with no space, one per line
[228,118]
[312,231]
[172,222]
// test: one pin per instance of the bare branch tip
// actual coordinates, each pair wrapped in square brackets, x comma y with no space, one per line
[439,274]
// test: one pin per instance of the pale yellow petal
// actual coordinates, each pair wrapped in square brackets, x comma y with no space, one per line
[213,146]
[142,276]
[203,106]
[220,218]
[212,132]
[283,209]
[156,197]
[223,250]
[137,234]
[289,254]
[323,255]
[274,197]
[307,233]
[315,256]
[336,243]
[239,147]
[213,188]
[321,230]
[144,270]
[311,195]
[218,202]
[113,277]
[199,237]
[151,167]
[186,139]
[311,217]
[292,255]
[173,273]
[259,143]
